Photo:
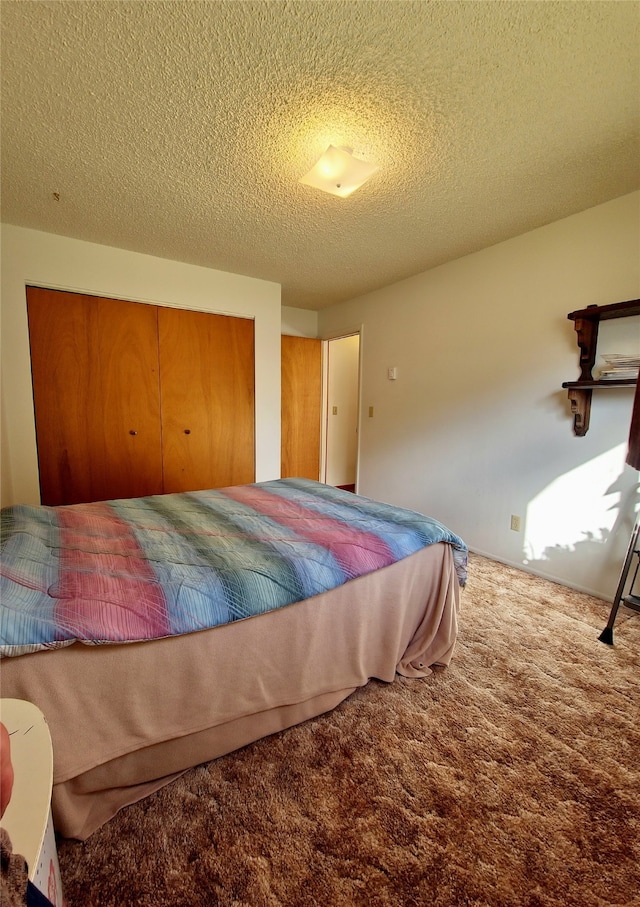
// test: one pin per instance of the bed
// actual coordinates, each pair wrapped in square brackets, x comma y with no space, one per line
[159,633]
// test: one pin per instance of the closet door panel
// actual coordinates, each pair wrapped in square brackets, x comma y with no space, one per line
[301,397]
[128,430]
[207,398]
[96,397]
[65,387]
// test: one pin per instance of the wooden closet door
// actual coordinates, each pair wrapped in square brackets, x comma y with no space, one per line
[96,396]
[301,395]
[207,398]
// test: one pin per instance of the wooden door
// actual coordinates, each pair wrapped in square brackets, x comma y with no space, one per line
[96,396]
[301,393]
[207,399]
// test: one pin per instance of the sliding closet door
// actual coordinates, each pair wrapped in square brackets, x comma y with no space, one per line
[96,396]
[301,396]
[207,397]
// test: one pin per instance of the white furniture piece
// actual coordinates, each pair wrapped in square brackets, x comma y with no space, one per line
[27,818]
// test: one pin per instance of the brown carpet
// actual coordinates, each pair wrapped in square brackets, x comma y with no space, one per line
[511,778]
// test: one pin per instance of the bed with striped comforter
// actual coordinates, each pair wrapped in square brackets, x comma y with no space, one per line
[156,634]
[148,568]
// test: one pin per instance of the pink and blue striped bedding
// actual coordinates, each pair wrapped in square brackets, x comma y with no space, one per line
[146,568]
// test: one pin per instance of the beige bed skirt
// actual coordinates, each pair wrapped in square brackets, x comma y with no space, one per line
[127,719]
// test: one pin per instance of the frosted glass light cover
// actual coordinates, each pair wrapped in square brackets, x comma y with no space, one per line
[338,172]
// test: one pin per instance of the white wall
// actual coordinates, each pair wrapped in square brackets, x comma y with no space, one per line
[32,257]
[299,322]
[477,426]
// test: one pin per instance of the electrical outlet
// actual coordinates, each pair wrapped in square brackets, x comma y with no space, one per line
[515,523]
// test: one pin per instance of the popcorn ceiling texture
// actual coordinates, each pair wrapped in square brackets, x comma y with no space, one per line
[180,129]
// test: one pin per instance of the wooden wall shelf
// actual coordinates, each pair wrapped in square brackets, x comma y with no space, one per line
[586,323]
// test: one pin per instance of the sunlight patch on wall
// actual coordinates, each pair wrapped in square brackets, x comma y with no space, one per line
[581,505]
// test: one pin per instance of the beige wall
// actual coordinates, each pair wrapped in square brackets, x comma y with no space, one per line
[476,426]
[299,322]
[29,256]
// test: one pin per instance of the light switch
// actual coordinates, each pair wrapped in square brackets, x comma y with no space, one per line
[335,410]
[392,373]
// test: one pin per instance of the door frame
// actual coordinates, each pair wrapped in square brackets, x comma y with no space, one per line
[359,331]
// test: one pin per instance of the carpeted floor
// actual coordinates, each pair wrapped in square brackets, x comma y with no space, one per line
[511,779]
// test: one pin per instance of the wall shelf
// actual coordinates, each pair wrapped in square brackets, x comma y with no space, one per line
[586,323]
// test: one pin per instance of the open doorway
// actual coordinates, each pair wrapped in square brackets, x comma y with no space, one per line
[341,411]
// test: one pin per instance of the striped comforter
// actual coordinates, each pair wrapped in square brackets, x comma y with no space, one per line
[146,568]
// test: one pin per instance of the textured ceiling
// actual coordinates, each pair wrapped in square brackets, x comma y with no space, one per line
[180,129]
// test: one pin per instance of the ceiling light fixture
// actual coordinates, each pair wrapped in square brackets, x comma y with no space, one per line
[338,172]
